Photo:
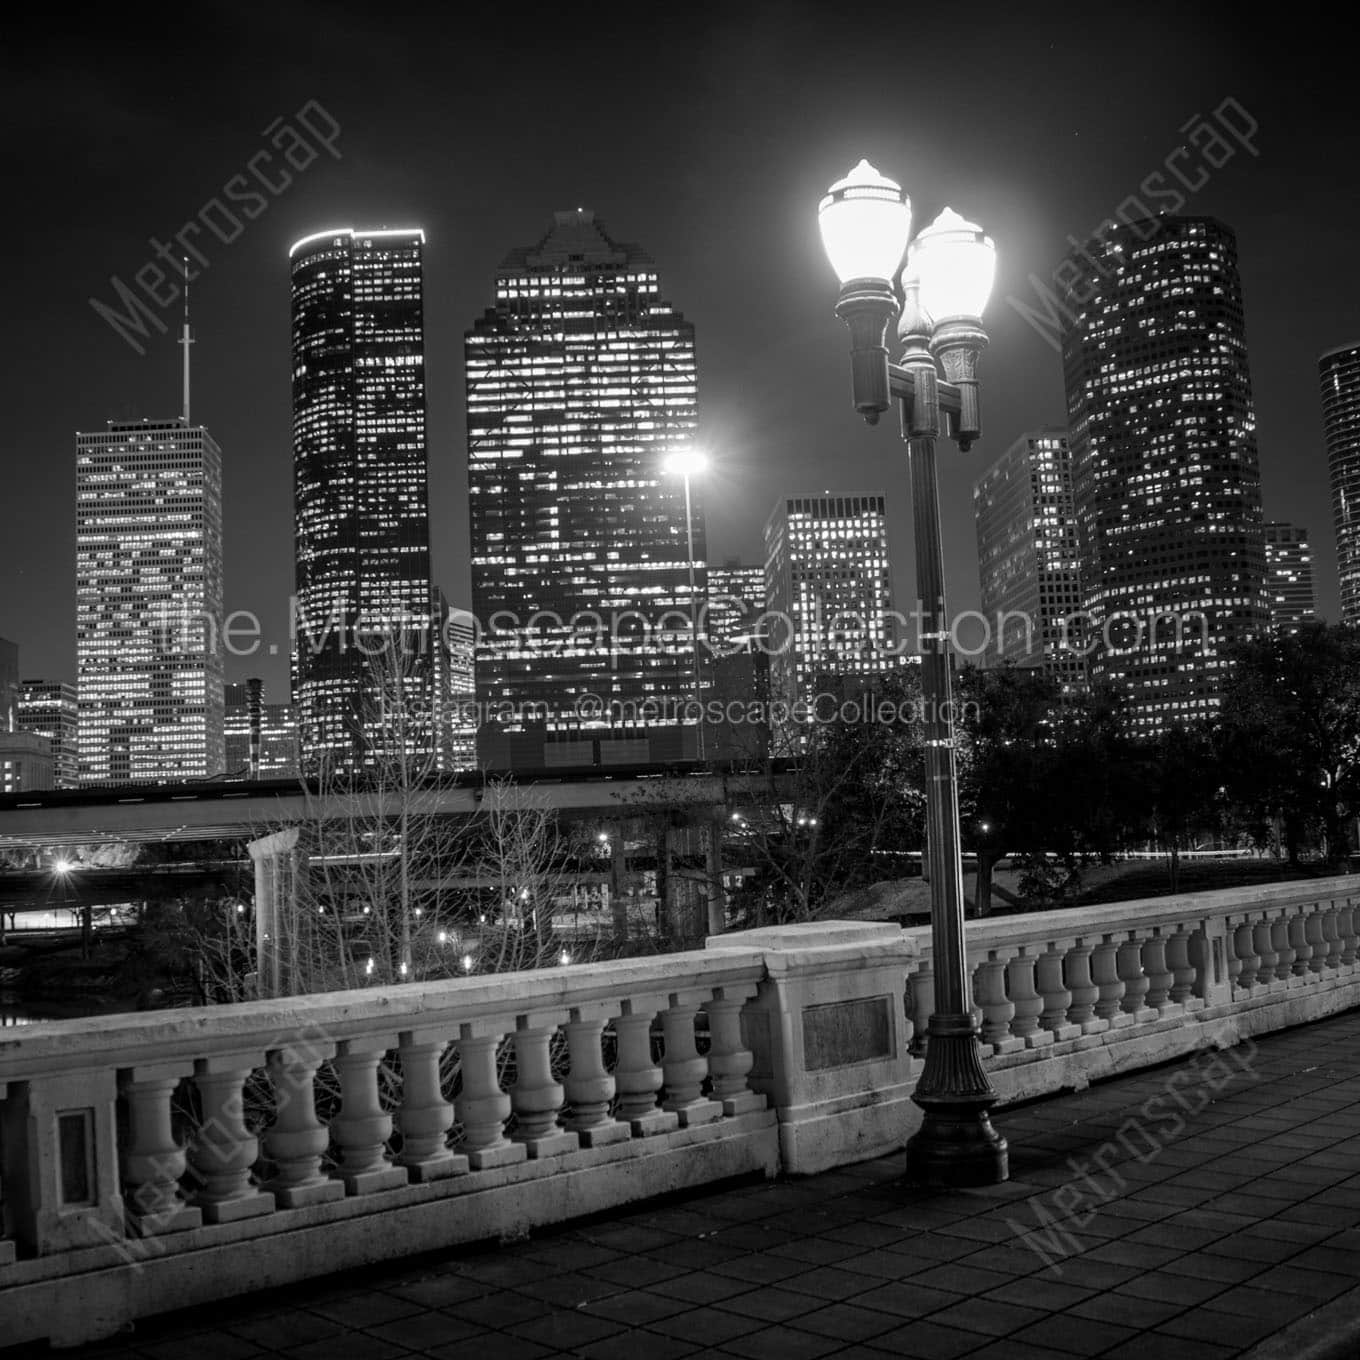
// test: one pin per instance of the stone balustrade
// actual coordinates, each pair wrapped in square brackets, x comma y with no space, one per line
[165,1159]
[1065,997]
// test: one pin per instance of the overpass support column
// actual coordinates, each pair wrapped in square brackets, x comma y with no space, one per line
[275,858]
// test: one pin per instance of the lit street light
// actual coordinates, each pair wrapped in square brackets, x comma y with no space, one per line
[865,222]
[689,463]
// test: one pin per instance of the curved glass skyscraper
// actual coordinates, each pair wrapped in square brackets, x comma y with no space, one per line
[1339,372]
[1166,481]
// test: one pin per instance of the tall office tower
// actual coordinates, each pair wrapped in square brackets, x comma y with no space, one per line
[1027,558]
[25,762]
[460,633]
[1339,374]
[829,591]
[1164,465]
[361,502]
[580,381]
[48,707]
[261,738]
[1289,578]
[149,602]
[9,683]
[736,600]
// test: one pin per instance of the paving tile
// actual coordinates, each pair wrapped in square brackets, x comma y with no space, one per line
[625,1346]
[1163,1346]
[489,1346]
[779,1343]
[763,1269]
[773,1304]
[363,1343]
[706,1326]
[502,1308]
[439,1291]
[1044,1291]
[282,1331]
[637,1307]
[926,1341]
[848,1321]
[368,1309]
[1066,1334]
[424,1330]
[1217,1326]
[908,1300]
[1186,1290]
[989,1316]
[700,1287]
[831,1282]
[563,1329]
[961,1277]
[1128,1310]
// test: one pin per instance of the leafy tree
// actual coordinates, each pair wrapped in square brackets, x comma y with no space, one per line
[1290,733]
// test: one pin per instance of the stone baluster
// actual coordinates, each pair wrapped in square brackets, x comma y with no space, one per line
[1298,937]
[684,1069]
[223,1151]
[1129,961]
[1182,970]
[425,1117]
[152,1162]
[536,1097]
[729,1060]
[1159,976]
[1346,928]
[1331,932]
[1109,1004]
[589,1087]
[1245,958]
[1077,974]
[1024,995]
[922,1006]
[637,1077]
[1048,972]
[481,1107]
[989,988]
[1277,954]
[1315,934]
[297,1140]
[361,1129]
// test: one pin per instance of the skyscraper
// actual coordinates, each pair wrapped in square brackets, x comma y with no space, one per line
[580,381]
[48,707]
[361,502]
[1166,479]
[736,600]
[261,738]
[829,593]
[1339,374]
[9,683]
[1027,557]
[149,602]
[1289,578]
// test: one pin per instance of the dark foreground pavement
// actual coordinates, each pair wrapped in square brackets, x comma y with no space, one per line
[1205,1209]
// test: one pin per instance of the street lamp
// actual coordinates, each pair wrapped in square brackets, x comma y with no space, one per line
[865,222]
[689,463]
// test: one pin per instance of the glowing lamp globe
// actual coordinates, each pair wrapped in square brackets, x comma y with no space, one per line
[956,265]
[686,463]
[865,220]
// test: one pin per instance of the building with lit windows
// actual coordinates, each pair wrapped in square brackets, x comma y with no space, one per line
[736,600]
[460,637]
[9,683]
[25,762]
[1166,480]
[1339,375]
[361,506]
[261,738]
[48,707]
[580,381]
[829,593]
[148,603]
[1028,564]
[1289,578]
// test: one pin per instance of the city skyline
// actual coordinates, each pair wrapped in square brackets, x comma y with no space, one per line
[733,231]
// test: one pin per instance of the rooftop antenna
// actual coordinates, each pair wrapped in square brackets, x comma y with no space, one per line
[186,340]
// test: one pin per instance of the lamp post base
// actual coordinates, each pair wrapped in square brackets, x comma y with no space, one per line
[956,1145]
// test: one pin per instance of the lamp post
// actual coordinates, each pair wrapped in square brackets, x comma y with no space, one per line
[689,463]
[865,222]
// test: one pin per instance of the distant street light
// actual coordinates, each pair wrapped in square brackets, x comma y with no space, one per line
[689,463]
[865,222]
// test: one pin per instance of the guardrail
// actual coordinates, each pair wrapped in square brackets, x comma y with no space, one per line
[165,1159]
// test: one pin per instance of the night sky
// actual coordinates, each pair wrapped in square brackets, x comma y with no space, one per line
[707,136]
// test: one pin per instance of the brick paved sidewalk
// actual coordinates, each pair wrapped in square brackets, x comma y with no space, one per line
[1196,1211]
